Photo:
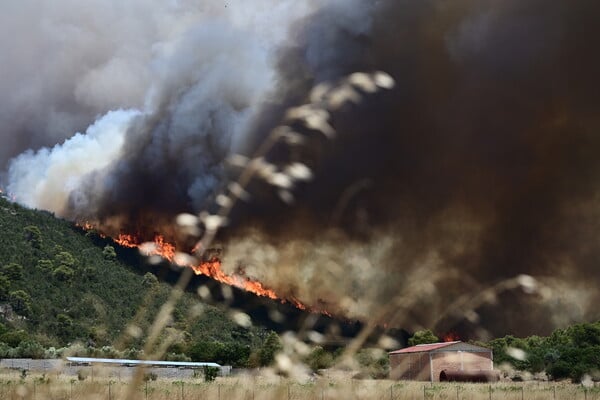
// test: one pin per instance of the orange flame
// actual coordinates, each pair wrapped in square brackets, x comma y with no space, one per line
[212,268]
[164,249]
[127,240]
[450,337]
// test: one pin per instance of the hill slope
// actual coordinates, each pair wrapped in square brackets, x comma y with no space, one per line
[59,285]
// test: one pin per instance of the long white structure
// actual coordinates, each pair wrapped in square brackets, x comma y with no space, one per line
[150,363]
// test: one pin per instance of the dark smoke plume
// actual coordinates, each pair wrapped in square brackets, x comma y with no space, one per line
[482,165]
[478,168]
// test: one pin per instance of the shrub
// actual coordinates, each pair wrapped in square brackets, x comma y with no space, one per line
[210,373]
[150,376]
[133,353]
[82,374]
[374,362]
[319,358]
[31,349]
[51,352]
[109,352]
[4,350]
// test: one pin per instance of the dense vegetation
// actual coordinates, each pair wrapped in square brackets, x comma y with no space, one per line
[567,353]
[59,287]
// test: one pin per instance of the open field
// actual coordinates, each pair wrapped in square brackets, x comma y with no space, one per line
[61,387]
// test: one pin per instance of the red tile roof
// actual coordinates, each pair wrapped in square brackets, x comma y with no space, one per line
[424,347]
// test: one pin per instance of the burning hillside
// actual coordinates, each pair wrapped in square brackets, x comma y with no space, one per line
[477,168]
[210,267]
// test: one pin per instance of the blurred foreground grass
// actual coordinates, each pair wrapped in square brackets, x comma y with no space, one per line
[56,386]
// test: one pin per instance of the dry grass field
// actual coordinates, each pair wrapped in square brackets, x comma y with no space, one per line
[61,387]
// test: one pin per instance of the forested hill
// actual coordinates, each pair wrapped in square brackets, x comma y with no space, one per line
[59,286]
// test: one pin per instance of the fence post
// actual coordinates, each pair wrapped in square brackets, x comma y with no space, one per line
[424,388]
[289,396]
[490,391]
[182,383]
[392,392]
[71,390]
[457,389]
[522,392]
[146,390]
[109,393]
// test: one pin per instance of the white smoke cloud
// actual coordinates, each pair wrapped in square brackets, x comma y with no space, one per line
[202,67]
[45,179]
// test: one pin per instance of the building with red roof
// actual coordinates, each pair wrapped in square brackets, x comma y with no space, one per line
[437,361]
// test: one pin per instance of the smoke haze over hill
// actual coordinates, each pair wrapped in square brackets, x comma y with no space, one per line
[481,164]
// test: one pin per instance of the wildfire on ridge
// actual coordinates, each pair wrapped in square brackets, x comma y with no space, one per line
[211,268]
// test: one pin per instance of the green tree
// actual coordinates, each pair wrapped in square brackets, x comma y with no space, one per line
[4,287]
[20,302]
[150,280]
[423,337]
[203,351]
[3,329]
[14,338]
[269,349]
[233,353]
[89,273]
[65,258]
[65,322]
[109,252]
[45,265]
[13,271]
[63,273]
[33,235]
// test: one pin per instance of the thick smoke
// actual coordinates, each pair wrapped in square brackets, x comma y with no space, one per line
[196,73]
[481,165]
